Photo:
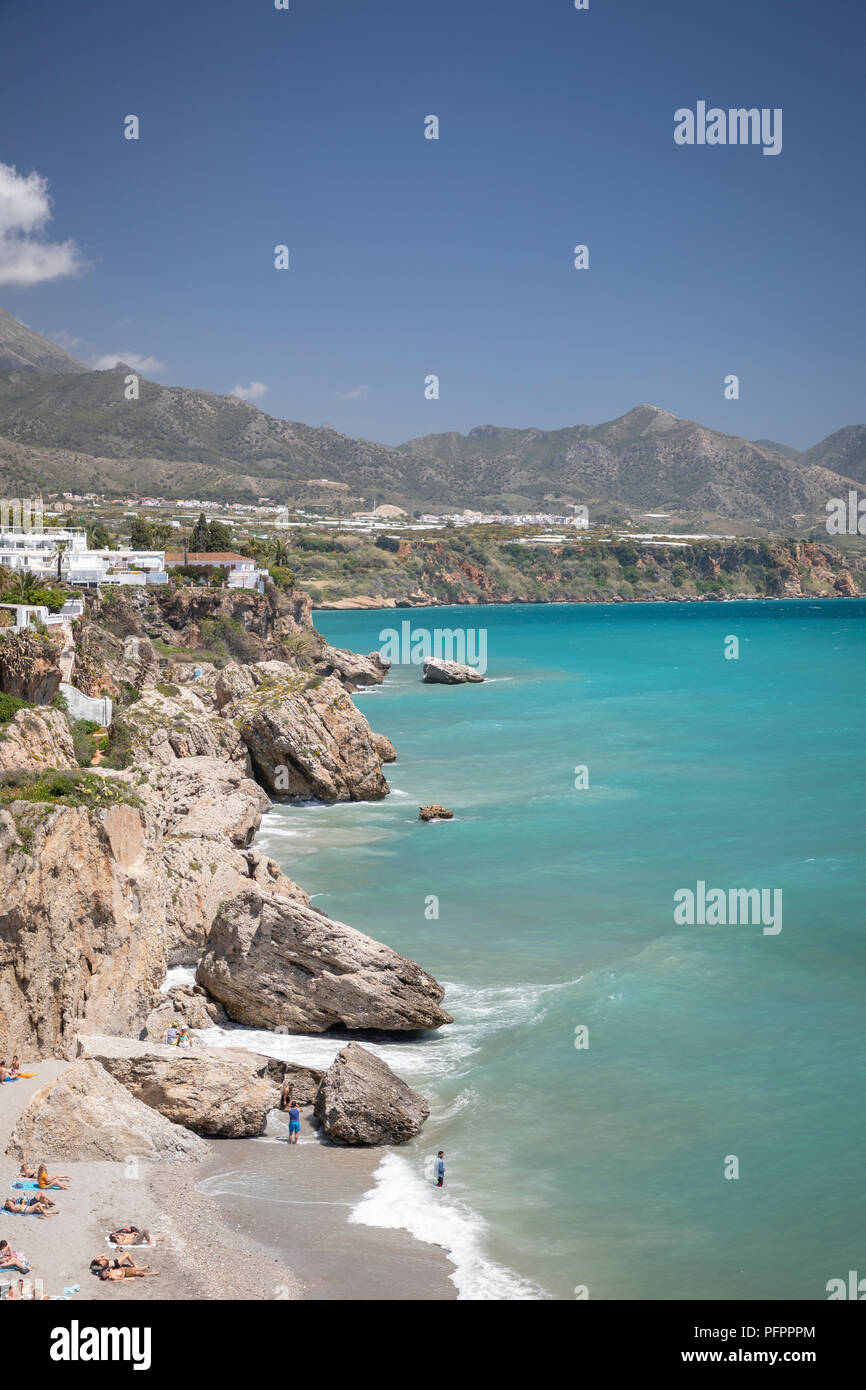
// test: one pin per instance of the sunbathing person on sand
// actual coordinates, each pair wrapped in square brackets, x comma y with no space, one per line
[131,1235]
[31,1206]
[4,1073]
[120,1267]
[26,1172]
[12,1259]
[14,1067]
[45,1180]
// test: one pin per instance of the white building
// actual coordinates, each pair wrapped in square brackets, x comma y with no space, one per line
[58,553]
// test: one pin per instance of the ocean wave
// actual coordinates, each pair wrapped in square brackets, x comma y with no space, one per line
[402,1200]
[178,975]
[479,1014]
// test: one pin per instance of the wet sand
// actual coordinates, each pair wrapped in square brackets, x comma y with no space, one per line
[259,1219]
[295,1201]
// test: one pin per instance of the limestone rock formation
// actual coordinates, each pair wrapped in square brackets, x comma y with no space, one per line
[85,1114]
[171,722]
[212,1091]
[352,669]
[385,749]
[28,667]
[35,740]
[437,672]
[191,1006]
[275,963]
[361,1101]
[304,1082]
[434,812]
[74,937]
[95,903]
[308,740]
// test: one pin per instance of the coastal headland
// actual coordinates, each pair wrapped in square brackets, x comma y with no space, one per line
[130,850]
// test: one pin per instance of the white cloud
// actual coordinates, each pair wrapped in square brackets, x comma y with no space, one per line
[25,209]
[130,359]
[253,392]
[357,393]
[64,339]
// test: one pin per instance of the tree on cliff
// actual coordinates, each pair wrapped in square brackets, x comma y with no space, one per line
[150,535]
[199,539]
[207,536]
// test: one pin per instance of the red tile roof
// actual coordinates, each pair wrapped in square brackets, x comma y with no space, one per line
[207,557]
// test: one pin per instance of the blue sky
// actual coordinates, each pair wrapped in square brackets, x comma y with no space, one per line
[412,256]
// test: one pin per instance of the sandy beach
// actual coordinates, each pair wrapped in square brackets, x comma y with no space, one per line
[224,1238]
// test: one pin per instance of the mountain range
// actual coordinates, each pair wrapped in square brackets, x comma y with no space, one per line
[64,426]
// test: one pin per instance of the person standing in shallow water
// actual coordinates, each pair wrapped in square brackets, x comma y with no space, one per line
[294,1123]
[440,1168]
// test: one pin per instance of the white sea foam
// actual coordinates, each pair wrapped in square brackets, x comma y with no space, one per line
[178,975]
[402,1200]
[478,1013]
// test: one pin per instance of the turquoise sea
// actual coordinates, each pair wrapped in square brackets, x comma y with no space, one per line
[603,1167]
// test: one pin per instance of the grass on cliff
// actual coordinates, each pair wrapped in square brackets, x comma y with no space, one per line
[187,653]
[9,707]
[65,789]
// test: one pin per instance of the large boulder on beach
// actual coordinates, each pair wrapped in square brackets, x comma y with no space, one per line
[361,1101]
[438,672]
[84,1114]
[307,739]
[213,1091]
[275,962]
[186,1004]
[302,1082]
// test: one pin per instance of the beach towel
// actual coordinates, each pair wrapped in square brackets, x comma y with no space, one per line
[31,1185]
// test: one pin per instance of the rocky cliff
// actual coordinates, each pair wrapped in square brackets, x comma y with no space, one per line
[107,877]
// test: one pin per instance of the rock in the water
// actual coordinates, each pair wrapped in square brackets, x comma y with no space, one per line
[361,1101]
[212,1091]
[384,748]
[434,812]
[277,963]
[351,668]
[308,740]
[85,1114]
[437,672]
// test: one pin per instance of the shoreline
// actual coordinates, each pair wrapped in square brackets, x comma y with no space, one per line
[220,1243]
[355,606]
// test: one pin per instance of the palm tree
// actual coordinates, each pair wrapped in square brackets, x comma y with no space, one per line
[24,585]
[61,546]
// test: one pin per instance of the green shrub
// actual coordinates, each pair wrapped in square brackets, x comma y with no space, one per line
[168,690]
[9,707]
[67,788]
[282,577]
[82,741]
[121,745]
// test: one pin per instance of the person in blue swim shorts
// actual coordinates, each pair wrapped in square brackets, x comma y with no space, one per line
[294,1123]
